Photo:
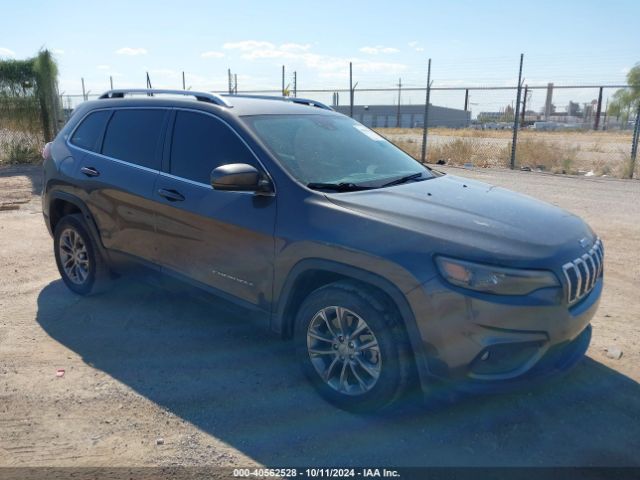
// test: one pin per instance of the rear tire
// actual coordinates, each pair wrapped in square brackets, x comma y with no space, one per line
[78,257]
[353,347]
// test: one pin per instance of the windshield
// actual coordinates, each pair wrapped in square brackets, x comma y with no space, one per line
[327,150]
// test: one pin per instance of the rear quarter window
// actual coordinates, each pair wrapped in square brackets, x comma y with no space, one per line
[89,132]
[134,136]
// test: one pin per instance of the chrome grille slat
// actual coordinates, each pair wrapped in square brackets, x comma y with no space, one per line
[587,269]
[593,272]
[577,262]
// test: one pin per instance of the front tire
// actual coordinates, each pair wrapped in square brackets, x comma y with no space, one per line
[78,258]
[352,347]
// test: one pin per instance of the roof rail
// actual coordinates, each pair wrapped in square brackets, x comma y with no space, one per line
[200,96]
[302,101]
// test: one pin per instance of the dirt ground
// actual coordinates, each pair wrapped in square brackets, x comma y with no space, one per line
[160,377]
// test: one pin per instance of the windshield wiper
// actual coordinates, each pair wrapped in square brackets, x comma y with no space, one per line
[338,187]
[404,179]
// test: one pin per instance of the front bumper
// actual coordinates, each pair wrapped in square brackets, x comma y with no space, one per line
[557,360]
[484,343]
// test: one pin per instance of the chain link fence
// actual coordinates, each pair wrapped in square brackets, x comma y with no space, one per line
[29,110]
[559,128]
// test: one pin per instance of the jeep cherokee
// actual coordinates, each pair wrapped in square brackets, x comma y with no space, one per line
[385,273]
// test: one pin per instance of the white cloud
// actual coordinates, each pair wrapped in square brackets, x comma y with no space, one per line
[254,49]
[413,44]
[212,54]
[5,52]
[378,49]
[248,45]
[103,67]
[387,67]
[295,47]
[57,51]
[416,46]
[131,51]
[325,64]
[625,70]
[419,49]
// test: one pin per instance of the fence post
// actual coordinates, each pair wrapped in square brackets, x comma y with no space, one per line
[399,94]
[596,123]
[350,89]
[425,122]
[295,84]
[516,119]
[634,143]
[524,104]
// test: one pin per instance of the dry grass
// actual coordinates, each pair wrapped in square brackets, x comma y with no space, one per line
[544,155]
[19,147]
[458,152]
[575,152]
[599,137]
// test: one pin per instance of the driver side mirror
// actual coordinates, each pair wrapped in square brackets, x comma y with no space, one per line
[240,177]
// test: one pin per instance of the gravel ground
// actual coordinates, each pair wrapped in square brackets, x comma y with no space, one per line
[162,377]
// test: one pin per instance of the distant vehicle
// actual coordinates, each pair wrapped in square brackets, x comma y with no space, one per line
[384,273]
[545,126]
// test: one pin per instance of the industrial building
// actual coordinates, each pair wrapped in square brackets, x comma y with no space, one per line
[411,116]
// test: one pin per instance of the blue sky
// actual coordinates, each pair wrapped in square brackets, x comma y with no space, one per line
[470,42]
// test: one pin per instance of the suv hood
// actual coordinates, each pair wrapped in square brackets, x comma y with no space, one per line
[468,214]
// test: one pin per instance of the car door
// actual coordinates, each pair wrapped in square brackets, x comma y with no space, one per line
[221,239]
[119,178]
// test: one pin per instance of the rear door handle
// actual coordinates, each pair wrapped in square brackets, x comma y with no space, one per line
[171,195]
[90,171]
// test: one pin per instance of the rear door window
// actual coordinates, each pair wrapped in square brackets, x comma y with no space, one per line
[134,135]
[89,132]
[202,143]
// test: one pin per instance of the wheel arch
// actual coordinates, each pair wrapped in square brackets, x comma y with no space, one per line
[62,204]
[311,274]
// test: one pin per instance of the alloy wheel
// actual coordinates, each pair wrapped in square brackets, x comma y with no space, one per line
[344,350]
[74,257]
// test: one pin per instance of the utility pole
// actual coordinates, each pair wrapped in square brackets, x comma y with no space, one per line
[230,86]
[235,83]
[350,89]
[84,95]
[466,100]
[111,81]
[399,94]
[283,80]
[524,104]
[516,119]
[596,123]
[184,85]
[425,125]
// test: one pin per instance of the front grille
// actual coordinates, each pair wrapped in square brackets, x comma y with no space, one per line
[582,273]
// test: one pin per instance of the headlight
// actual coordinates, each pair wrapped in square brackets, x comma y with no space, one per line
[490,279]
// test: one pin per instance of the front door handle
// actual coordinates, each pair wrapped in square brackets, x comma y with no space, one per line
[90,171]
[171,195]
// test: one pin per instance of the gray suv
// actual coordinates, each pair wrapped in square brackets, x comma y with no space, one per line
[384,273]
